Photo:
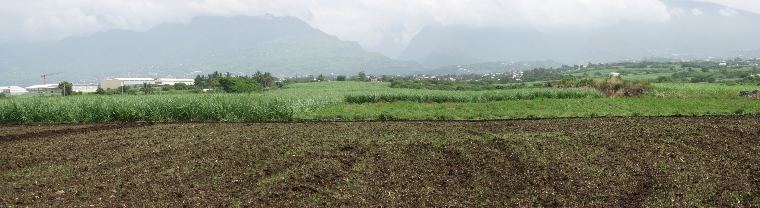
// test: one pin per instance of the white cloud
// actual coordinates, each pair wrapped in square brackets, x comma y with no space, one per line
[696,12]
[745,5]
[55,24]
[728,12]
[676,10]
[371,22]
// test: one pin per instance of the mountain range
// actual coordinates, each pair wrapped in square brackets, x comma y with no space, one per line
[284,46]
[695,30]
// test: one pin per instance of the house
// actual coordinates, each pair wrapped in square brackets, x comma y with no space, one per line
[722,64]
[614,74]
[13,90]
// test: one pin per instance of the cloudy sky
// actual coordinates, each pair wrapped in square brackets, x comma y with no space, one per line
[377,25]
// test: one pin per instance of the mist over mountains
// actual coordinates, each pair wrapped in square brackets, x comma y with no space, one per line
[696,30]
[288,46]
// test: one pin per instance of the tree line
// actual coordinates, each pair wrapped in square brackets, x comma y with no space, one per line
[236,84]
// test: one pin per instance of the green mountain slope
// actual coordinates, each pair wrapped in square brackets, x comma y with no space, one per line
[298,55]
[284,46]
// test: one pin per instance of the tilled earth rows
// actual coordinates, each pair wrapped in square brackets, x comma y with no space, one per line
[638,161]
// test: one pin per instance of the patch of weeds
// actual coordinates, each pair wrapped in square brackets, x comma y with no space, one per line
[445,117]
[386,117]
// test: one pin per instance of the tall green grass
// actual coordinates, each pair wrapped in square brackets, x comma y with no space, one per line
[191,107]
[472,97]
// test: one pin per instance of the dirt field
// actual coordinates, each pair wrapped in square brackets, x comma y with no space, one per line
[640,161]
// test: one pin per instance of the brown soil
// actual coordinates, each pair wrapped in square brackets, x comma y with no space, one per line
[608,162]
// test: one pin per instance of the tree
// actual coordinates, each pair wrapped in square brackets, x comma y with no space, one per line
[147,88]
[264,79]
[123,89]
[268,79]
[239,85]
[208,81]
[100,91]
[180,86]
[385,78]
[362,77]
[65,87]
[200,81]
[341,78]
[320,78]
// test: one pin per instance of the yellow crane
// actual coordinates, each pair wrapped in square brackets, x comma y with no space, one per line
[44,77]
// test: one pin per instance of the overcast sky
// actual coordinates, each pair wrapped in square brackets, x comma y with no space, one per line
[373,23]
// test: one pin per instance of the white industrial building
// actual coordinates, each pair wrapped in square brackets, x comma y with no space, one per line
[85,88]
[138,82]
[45,88]
[170,81]
[118,82]
[13,90]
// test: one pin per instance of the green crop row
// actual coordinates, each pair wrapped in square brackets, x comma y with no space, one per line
[204,107]
[701,90]
[472,97]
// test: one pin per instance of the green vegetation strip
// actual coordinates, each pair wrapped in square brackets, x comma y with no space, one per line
[699,90]
[538,108]
[371,101]
[472,97]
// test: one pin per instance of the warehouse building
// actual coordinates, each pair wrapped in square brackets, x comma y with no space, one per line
[170,81]
[84,88]
[118,82]
[45,88]
[13,90]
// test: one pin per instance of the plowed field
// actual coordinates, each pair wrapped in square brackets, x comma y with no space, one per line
[637,161]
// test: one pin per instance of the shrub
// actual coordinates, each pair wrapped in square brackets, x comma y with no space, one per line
[180,86]
[611,87]
[100,91]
